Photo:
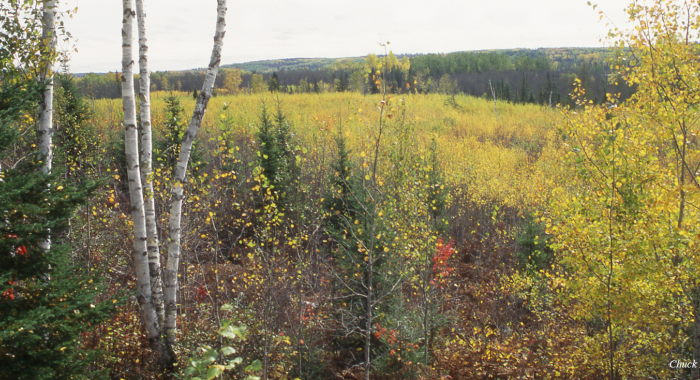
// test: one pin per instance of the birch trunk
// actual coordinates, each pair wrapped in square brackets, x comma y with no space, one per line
[143,279]
[695,372]
[171,280]
[153,245]
[45,127]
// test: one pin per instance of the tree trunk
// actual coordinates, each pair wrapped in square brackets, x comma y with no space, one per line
[171,281]
[45,127]
[153,245]
[167,354]
[143,278]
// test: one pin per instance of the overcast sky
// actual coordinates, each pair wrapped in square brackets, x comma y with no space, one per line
[180,32]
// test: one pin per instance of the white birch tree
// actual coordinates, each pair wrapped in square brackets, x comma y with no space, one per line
[177,191]
[148,313]
[153,244]
[45,126]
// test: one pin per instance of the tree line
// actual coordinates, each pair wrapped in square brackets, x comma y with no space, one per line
[519,76]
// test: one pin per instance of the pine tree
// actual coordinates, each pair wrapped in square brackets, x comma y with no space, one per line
[506,92]
[437,196]
[342,84]
[525,91]
[267,147]
[365,265]
[277,157]
[173,128]
[340,202]
[46,302]
[75,140]
[288,175]
[273,84]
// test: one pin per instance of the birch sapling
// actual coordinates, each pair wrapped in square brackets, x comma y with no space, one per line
[153,245]
[171,281]
[143,278]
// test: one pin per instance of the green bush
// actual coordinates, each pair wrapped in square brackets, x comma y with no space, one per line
[534,252]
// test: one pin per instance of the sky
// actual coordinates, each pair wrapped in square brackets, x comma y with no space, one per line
[180,32]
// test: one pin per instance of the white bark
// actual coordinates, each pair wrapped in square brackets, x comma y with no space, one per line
[153,245]
[45,127]
[143,280]
[171,281]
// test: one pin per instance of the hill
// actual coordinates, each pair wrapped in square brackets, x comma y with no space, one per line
[564,56]
[269,66]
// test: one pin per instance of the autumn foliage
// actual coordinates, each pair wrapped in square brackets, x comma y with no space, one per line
[421,233]
[441,270]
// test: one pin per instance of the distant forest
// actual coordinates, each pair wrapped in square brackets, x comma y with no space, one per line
[543,76]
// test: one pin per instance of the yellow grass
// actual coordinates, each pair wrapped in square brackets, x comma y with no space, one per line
[508,159]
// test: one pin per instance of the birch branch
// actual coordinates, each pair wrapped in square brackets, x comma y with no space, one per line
[171,280]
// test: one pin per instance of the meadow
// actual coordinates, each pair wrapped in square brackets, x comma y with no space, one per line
[496,154]
[341,235]
[429,235]
[497,169]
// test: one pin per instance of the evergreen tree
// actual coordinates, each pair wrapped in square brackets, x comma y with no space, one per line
[76,141]
[277,157]
[343,83]
[273,84]
[167,146]
[340,202]
[365,268]
[287,178]
[267,145]
[173,127]
[524,90]
[46,301]
[437,196]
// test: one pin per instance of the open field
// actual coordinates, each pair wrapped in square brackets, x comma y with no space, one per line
[497,172]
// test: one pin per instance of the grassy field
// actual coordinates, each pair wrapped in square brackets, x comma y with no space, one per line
[505,158]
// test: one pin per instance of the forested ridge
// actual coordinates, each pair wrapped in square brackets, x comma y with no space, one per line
[378,222]
[518,75]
